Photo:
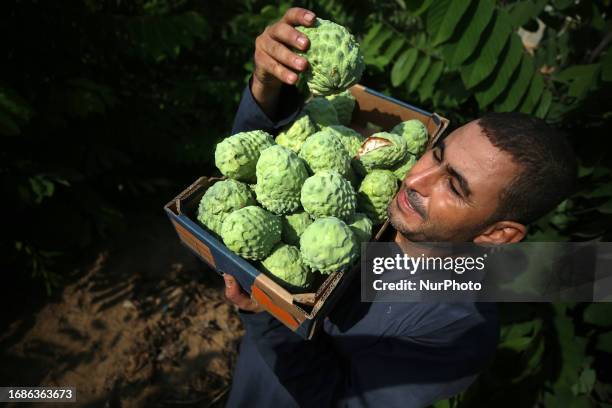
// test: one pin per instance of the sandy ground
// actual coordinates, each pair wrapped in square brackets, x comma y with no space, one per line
[145,325]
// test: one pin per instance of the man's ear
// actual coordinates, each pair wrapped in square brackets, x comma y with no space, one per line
[502,232]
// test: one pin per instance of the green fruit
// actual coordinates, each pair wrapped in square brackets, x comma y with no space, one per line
[285,263]
[334,59]
[344,102]
[361,226]
[221,199]
[415,134]
[375,193]
[401,169]
[381,151]
[294,225]
[293,136]
[251,232]
[350,139]
[322,112]
[280,176]
[327,193]
[328,245]
[237,155]
[324,151]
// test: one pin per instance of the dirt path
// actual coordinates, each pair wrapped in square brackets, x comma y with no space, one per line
[145,325]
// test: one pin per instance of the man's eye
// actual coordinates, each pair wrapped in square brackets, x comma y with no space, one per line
[452,187]
[436,155]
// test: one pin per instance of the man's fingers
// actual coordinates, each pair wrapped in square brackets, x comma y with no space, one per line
[269,64]
[234,293]
[288,35]
[299,16]
[282,54]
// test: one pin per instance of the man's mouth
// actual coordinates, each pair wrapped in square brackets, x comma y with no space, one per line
[405,204]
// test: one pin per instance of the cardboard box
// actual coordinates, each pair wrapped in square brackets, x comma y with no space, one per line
[301,312]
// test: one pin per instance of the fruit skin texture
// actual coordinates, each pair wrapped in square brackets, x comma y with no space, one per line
[350,139]
[376,191]
[401,169]
[344,103]
[393,150]
[285,263]
[415,134]
[327,193]
[328,245]
[322,112]
[293,226]
[294,136]
[361,226]
[280,175]
[324,151]
[221,199]
[251,232]
[237,155]
[334,59]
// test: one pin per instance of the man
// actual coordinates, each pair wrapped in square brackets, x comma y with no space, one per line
[483,183]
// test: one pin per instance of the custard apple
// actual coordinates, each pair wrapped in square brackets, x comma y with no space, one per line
[285,263]
[328,245]
[344,102]
[294,225]
[361,226]
[415,134]
[324,151]
[321,111]
[237,155]
[294,135]
[327,193]
[350,139]
[335,61]
[401,169]
[381,151]
[251,232]
[375,193]
[220,199]
[280,176]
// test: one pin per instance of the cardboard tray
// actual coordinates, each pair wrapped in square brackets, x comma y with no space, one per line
[301,312]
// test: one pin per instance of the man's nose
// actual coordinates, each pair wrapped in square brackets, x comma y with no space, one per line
[423,181]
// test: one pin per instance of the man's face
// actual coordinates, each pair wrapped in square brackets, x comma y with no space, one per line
[453,189]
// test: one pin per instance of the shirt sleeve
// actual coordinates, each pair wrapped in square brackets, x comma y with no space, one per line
[250,116]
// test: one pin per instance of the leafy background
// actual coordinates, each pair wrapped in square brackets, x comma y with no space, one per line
[108,108]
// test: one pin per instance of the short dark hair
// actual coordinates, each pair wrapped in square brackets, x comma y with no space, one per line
[547,161]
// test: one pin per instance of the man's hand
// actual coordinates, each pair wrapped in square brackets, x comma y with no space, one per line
[236,295]
[275,63]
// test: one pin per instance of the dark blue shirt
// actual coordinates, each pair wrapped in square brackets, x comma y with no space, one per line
[367,354]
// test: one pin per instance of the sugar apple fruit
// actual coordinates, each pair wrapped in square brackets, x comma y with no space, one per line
[328,245]
[375,193]
[401,169]
[285,263]
[294,135]
[294,225]
[322,112]
[335,61]
[251,232]
[220,199]
[280,176]
[361,226]
[344,103]
[327,193]
[381,151]
[324,151]
[237,155]
[350,139]
[415,134]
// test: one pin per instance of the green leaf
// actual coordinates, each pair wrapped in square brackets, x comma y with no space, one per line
[435,15]
[451,18]
[402,67]
[488,91]
[482,66]
[526,10]
[562,4]
[470,37]
[598,314]
[544,105]
[533,95]
[605,208]
[427,86]
[420,71]
[585,383]
[581,79]
[378,41]
[383,60]
[606,66]
[516,344]
[8,127]
[370,35]
[515,93]
[604,342]
[421,8]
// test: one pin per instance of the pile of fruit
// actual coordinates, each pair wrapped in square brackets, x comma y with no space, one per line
[302,203]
